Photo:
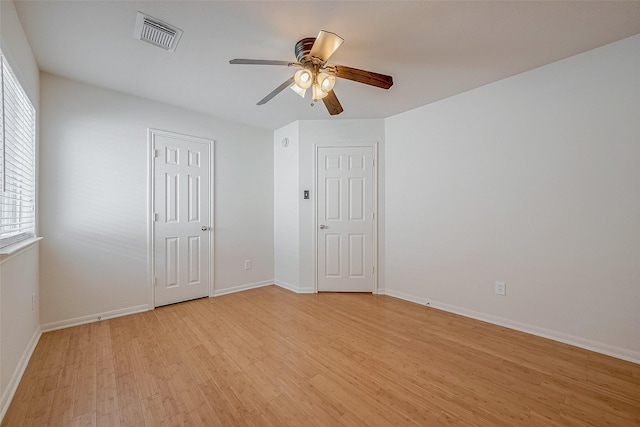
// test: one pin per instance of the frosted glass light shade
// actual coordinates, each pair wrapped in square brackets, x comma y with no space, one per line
[297,89]
[317,92]
[326,82]
[303,78]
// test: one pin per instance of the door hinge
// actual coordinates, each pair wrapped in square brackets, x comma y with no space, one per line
[373,215]
[373,162]
[155,217]
[155,281]
[374,269]
[156,153]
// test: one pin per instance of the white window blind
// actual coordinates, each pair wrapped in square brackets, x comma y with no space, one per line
[17,160]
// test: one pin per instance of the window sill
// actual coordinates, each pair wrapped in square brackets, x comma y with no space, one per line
[17,247]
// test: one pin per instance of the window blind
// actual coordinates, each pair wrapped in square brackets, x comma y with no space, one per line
[17,160]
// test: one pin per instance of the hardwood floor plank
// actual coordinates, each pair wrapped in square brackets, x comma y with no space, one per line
[110,419]
[85,392]
[66,366]
[269,357]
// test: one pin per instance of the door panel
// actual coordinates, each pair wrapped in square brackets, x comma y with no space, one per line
[194,197]
[356,199]
[194,259]
[333,199]
[333,267]
[182,208]
[356,255]
[345,207]
[171,263]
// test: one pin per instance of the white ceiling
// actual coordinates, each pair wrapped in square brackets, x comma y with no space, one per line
[432,49]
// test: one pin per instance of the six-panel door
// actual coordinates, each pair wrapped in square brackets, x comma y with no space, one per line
[182,218]
[345,185]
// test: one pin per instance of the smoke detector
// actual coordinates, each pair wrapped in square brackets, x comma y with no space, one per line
[156,32]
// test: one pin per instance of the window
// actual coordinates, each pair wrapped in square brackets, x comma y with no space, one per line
[17,160]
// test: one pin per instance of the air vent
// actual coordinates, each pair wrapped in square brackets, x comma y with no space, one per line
[156,32]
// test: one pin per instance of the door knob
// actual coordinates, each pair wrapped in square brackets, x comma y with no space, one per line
[322,226]
[204,228]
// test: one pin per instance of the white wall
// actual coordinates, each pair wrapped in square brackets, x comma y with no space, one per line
[286,204]
[15,46]
[19,321]
[533,180]
[93,181]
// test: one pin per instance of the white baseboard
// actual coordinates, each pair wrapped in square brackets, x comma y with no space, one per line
[94,318]
[402,295]
[598,347]
[292,288]
[12,386]
[285,285]
[239,288]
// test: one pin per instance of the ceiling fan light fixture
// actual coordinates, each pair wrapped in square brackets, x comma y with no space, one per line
[303,78]
[317,74]
[317,92]
[326,82]
[325,45]
[297,89]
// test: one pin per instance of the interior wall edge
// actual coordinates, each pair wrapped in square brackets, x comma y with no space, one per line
[598,347]
[89,318]
[243,287]
[296,289]
[10,391]
[287,286]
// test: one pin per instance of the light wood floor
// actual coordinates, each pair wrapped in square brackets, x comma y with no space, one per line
[270,357]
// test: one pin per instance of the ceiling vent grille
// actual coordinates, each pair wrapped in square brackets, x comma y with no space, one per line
[156,32]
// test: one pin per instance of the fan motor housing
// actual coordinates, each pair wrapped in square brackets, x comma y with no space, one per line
[303,48]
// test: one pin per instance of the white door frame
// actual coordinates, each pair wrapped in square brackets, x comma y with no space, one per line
[373,145]
[151,154]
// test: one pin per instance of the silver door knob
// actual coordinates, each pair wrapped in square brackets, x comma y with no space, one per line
[204,228]
[322,226]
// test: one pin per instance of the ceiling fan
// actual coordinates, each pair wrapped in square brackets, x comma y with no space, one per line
[316,74]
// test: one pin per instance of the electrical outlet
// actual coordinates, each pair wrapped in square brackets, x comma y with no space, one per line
[501,288]
[247,264]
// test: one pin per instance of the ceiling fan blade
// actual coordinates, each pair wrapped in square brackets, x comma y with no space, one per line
[325,45]
[332,104]
[362,76]
[261,62]
[276,91]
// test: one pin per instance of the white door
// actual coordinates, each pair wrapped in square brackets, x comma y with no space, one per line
[182,210]
[345,216]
